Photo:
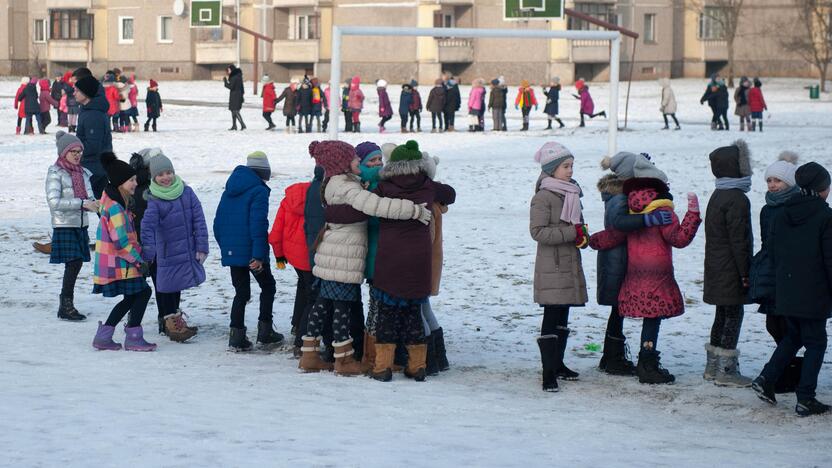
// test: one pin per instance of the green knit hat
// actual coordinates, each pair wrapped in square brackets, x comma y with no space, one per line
[259,162]
[406,152]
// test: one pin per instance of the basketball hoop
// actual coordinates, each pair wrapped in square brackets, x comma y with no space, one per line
[523,15]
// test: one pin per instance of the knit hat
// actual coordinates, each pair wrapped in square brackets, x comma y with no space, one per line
[367,150]
[257,161]
[621,164]
[784,168]
[118,171]
[160,163]
[414,83]
[381,84]
[387,151]
[812,178]
[495,82]
[406,152]
[154,84]
[524,83]
[81,72]
[24,80]
[334,156]
[551,155]
[266,79]
[66,142]
[405,160]
[644,169]
[88,85]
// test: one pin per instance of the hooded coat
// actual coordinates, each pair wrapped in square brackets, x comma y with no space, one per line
[154,104]
[313,214]
[290,106]
[525,98]
[94,132]
[741,107]
[436,99]
[405,100]
[241,225]
[234,83]
[552,98]
[113,96]
[475,98]
[29,98]
[304,98]
[756,102]
[453,100]
[356,96]
[668,98]
[287,237]
[21,108]
[385,109]
[587,104]
[45,100]
[269,97]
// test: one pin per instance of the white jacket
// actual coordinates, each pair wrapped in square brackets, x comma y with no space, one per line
[668,98]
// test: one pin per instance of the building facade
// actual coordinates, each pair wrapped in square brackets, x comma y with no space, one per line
[677,39]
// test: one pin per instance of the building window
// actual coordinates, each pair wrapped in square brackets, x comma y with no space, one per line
[650,28]
[711,24]
[70,24]
[166,29]
[601,11]
[444,20]
[125,30]
[40,30]
[305,26]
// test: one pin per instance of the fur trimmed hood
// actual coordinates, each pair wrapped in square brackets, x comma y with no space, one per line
[403,168]
[733,161]
[610,184]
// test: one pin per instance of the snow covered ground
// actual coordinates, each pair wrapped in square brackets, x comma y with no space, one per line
[64,404]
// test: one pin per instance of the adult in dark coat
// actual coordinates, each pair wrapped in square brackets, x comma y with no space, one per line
[453,101]
[234,82]
[93,129]
[304,103]
[801,238]
[31,104]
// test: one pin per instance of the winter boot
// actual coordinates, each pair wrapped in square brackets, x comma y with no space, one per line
[711,362]
[441,353]
[103,340]
[614,361]
[134,340]
[368,360]
[603,114]
[404,130]
[650,370]
[238,341]
[147,126]
[266,336]
[764,390]
[549,350]
[67,311]
[810,407]
[416,362]
[549,127]
[728,372]
[431,366]
[560,122]
[713,126]
[345,363]
[311,360]
[742,125]
[44,248]
[383,368]
[177,329]
[761,131]
[17,130]
[381,129]
[562,371]
[356,127]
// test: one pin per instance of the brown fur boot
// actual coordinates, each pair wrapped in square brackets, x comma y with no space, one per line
[417,355]
[311,360]
[382,370]
[345,364]
[368,361]
[177,329]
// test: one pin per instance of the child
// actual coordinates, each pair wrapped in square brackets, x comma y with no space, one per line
[552,97]
[801,241]
[69,195]
[403,265]
[415,107]
[46,104]
[481,114]
[123,104]
[304,103]
[341,253]
[741,107]
[757,104]
[497,104]
[326,102]
[21,108]
[587,104]
[650,290]
[268,101]
[728,251]
[119,270]
[174,236]
[241,227]
[319,100]
[113,96]
[56,91]
[668,106]
[452,102]
[436,105]
[73,108]
[62,106]
[524,101]
[385,109]
[475,100]
[356,103]
[557,225]
[290,106]
[153,101]
[133,97]
[405,99]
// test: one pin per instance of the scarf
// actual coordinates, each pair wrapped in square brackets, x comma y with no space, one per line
[76,172]
[655,205]
[739,183]
[168,193]
[370,176]
[572,198]
[778,198]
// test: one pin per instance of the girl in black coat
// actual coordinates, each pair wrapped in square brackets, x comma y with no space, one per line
[304,103]
[29,99]
[234,82]
[552,97]
[153,101]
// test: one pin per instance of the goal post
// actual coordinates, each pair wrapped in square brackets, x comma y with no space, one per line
[614,37]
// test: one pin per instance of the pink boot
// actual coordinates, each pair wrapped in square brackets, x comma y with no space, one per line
[104,338]
[134,341]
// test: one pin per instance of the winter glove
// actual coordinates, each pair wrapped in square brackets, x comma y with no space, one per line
[693,202]
[516,107]
[144,269]
[658,218]
[90,205]
[535,107]
[581,236]
[256,266]
[201,256]
[280,263]
[422,214]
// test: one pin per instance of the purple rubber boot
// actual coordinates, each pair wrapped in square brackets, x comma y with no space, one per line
[104,338]
[134,340]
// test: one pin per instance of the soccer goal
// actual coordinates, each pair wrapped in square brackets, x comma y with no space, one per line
[613,36]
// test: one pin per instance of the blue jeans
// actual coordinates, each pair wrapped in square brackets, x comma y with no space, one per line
[801,333]
[650,331]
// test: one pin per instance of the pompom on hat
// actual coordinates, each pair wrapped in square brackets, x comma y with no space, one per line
[551,155]
[406,152]
[784,168]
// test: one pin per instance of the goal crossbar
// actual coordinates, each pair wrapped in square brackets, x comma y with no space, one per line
[614,37]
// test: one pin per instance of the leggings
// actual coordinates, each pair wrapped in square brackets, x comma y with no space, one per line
[403,116]
[384,120]
[650,333]
[615,324]
[347,120]
[400,324]
[417,117]
[133,303]
[168,303]
[525,111]
[268,117]
[325,311]
[554,317]
[591,116]
[149,120]
[725,332]
[71,270]
[429,318]
[290,120]
[235,116]
[666,124]
[325,124]
[434,116]
[449,119]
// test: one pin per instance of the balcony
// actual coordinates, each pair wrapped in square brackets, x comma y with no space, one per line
[208,53]
[300,51]
[454,50]
[68,4]
[714,50]
[295,3]
[69,50]
[450,2]
[590,51]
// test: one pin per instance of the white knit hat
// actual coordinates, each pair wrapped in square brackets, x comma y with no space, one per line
[784,168]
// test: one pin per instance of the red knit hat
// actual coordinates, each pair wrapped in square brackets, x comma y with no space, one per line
[334,156]
[154,84]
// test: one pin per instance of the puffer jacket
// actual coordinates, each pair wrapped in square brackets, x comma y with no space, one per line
[65,208]
[113,96]
[342,251]
[45,100]
[21,107]
[123,96]
[763,279]
[117,250]
[475,98]
[287,237]
[269,97]
[356,97]
[29,99]
[290,108]
[668,98]
[241,225]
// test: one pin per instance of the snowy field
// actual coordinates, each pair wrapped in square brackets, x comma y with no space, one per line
[64,404]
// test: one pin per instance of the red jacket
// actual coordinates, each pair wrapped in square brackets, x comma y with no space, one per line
[287,237]
[756,102]
[269,97]
[113,97]
[21,109]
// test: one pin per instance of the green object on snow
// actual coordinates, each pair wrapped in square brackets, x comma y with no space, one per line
[594,347]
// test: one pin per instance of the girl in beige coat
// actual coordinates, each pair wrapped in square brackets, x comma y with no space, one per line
[668,103]
[556,224]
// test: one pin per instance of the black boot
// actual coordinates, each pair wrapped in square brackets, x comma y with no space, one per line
[147,126]
[650,370]
[564,373]
[356,127]
[761,126]
[266,336]
[549,350]
[441,353]
[430,359]
[614,361]
[549,127]
[162,329]
[811,407]
[764,390]
[560,122]
[237,340]
[67,311]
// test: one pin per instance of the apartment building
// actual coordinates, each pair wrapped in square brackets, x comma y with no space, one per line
[149,39]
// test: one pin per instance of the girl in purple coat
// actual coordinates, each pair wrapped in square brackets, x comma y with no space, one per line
[587,105]
[385,109]
[174,237]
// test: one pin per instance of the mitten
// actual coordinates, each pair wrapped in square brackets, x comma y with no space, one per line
[280,263]
[693,202]
[581,236]
[422,214]
[516,107]
[658,218]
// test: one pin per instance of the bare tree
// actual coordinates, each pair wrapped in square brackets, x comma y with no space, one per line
[812,37]
[725,13]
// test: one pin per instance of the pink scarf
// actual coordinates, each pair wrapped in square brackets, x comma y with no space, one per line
[572,198]
[77,173]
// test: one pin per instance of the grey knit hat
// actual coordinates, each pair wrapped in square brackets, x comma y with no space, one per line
[643,168]
[65,142]
[259,162]
[622,164]
[160,163]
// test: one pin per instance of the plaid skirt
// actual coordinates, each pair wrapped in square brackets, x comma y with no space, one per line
[70,244]
[125,287]
[336,291]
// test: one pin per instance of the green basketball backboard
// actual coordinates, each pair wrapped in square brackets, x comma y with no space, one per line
[206,13]
[525,10]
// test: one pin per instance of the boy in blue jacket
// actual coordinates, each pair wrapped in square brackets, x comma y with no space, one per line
[241,227]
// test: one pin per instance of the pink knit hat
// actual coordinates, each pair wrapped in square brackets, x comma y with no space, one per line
[334,156]
[551,155]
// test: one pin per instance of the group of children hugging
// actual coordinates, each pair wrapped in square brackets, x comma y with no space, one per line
[369,214]
[790,277]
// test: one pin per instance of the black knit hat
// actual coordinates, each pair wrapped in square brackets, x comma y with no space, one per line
[812,178]
[118,171]
[81,72]
[88,85]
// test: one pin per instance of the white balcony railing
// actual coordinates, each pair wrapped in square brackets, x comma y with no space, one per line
[300,51]
[69,51]
[215,52]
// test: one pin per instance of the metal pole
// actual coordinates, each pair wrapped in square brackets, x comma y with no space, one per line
[335,84]
[237,9]
[256,63]
[629,83]
[615,61]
